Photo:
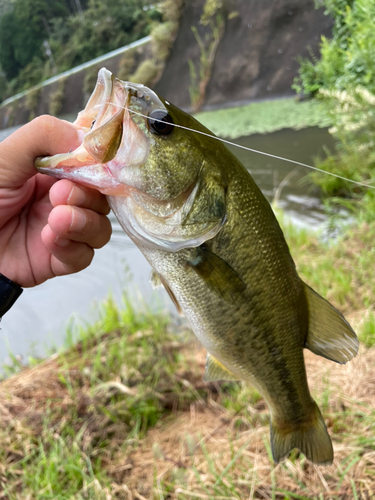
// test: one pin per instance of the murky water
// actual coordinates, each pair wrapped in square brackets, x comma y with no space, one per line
[38,320]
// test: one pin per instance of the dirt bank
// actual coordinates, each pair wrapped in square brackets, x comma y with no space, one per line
[256,56]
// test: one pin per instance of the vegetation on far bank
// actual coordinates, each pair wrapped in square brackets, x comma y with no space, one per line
[44,38]
[343,80]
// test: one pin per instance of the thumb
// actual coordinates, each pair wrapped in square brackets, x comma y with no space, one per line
[43,136]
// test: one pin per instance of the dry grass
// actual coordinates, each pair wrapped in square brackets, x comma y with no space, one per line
[210,442]
[210,452]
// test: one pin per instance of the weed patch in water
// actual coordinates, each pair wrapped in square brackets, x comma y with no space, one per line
[263,117]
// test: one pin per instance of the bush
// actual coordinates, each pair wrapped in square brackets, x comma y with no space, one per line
[146,73]
[348,60]
[344,79]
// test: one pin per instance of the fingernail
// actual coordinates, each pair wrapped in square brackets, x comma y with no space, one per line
[77,196]
[79,220]
[61,242]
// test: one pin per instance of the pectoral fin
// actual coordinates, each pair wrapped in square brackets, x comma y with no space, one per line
[329,334]
[218,274]
[216,371]
[170,293]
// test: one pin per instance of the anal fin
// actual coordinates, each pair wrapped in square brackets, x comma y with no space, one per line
[329,334]
[216,371]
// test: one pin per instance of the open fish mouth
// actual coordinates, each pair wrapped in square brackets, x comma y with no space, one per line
[107,128]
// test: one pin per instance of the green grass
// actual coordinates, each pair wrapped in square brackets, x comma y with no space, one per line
[340,269]
[264,117]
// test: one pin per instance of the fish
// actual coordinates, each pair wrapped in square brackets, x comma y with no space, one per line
[215,245]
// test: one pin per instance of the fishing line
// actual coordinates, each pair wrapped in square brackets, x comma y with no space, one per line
[363,184]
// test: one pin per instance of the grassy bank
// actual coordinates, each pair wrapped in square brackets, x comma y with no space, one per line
[123,412]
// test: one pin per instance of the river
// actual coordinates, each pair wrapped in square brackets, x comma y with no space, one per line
[38,321]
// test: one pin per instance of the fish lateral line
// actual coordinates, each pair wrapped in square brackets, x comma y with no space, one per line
[363,184]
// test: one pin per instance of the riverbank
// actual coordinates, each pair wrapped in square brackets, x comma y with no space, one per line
[122,412]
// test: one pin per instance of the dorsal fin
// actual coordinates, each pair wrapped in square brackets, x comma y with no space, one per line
[329,334]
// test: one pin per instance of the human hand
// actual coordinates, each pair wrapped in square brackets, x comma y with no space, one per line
[47,228]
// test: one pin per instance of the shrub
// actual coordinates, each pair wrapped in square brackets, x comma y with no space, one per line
[146,73]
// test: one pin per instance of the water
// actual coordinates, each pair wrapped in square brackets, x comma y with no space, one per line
[39,319]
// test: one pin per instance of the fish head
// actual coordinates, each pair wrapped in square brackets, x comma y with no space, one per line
[151,170]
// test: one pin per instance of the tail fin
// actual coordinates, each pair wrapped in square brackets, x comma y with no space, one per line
[311,438]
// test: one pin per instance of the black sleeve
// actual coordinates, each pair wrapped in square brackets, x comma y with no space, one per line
[9,293]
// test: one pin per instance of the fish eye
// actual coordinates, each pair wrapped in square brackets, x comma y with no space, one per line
[160,122]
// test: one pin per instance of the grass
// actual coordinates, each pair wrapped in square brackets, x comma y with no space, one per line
[123,413]
[350,283]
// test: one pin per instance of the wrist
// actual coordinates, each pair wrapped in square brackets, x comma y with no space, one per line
[9,293]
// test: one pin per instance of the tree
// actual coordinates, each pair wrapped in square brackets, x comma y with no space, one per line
[23,30]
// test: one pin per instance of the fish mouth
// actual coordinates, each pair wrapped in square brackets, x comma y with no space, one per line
[104,122]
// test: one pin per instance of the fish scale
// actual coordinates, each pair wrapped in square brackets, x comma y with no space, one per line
[214,243]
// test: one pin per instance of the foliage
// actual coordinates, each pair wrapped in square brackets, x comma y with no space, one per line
[163,35]
[107,26]
[348,59]
[352,112]
[344,80]
[210,9]
[213,17]
[31,102]
[43,37]
[56,98]
[126,65]
[89,81]
[23,30]
[5,6]
[146,73]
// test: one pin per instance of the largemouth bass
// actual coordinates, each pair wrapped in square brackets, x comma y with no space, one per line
[214,243]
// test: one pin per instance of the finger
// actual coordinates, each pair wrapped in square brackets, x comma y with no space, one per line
[43,136]
[67,256]
[66,192]
[80,225]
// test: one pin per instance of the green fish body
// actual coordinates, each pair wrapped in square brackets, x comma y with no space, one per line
[214,243]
